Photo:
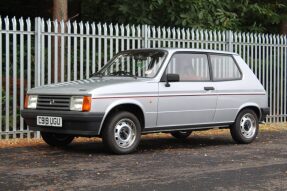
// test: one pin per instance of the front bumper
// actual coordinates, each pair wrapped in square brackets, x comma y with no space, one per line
[73,122]
[264,113]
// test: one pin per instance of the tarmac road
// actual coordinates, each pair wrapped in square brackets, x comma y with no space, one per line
[202,162]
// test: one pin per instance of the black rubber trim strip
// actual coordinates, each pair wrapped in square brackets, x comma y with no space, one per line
[264,113]
[66,115]
[73,122]
[186,127]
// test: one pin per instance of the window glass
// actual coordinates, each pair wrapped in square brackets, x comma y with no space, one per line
[138,63]
[224,68]
[190,67]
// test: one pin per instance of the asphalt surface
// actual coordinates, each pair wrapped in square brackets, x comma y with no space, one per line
[202,162]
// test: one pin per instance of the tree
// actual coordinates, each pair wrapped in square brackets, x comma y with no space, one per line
[239,15]
[60,12]
[210,14]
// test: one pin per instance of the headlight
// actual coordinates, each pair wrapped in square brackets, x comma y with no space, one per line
[80,103]
[30,101]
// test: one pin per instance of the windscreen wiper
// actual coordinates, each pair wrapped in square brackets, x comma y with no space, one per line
[97,74]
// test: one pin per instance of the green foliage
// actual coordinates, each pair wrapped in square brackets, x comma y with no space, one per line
[244,15]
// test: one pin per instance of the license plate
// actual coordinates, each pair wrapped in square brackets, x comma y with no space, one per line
[49,121]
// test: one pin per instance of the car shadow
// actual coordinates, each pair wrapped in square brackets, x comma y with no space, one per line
[191,142]
[150,144]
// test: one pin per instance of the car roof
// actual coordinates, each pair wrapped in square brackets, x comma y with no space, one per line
[172,50]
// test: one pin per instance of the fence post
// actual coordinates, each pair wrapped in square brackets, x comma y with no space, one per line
[229,41]
[144,36]
[37,51]
[37,60]
[7,85]
[1,76]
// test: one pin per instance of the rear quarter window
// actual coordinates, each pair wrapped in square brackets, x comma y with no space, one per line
[224,68]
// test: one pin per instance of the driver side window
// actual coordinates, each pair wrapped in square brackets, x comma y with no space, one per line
[190,67]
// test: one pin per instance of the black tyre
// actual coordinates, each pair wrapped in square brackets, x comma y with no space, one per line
[181,134]
[245,128]
[57,140]
[122,133]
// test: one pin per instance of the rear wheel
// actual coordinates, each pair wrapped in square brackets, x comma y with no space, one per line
[245,128]
[57,140]
[181,134]
[122,132]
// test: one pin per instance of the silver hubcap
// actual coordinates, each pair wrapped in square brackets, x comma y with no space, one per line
[248,125]
[125,133]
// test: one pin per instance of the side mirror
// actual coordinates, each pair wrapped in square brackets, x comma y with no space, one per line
[171,78]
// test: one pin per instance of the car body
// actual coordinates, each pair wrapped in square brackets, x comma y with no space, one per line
[151,84]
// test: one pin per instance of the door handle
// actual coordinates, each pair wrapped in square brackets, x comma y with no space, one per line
[208,88]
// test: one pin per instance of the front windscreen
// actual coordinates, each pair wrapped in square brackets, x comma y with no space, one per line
[135,63]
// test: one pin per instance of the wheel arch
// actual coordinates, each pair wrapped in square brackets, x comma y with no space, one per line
[251,106]
[132,106]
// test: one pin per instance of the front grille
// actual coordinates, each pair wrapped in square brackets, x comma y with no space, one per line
[53,102]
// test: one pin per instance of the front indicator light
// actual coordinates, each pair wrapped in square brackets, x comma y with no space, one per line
[87,102]
[30,102]
[80,103]
[26,102]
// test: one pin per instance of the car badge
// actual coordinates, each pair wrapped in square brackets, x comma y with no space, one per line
[52,102]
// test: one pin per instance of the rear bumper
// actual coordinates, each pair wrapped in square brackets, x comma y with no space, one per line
[264,113]
[73,123]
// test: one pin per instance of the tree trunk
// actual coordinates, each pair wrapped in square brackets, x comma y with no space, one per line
[60,12]
[283,25]
[283,28]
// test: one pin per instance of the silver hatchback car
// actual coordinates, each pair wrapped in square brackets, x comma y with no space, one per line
[148,91]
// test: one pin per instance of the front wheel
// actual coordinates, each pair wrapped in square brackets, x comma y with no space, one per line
[57,140]
[245,128]
[181,134]
[122,132]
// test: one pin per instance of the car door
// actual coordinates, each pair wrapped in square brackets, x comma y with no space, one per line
[191,100]
[228,86]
